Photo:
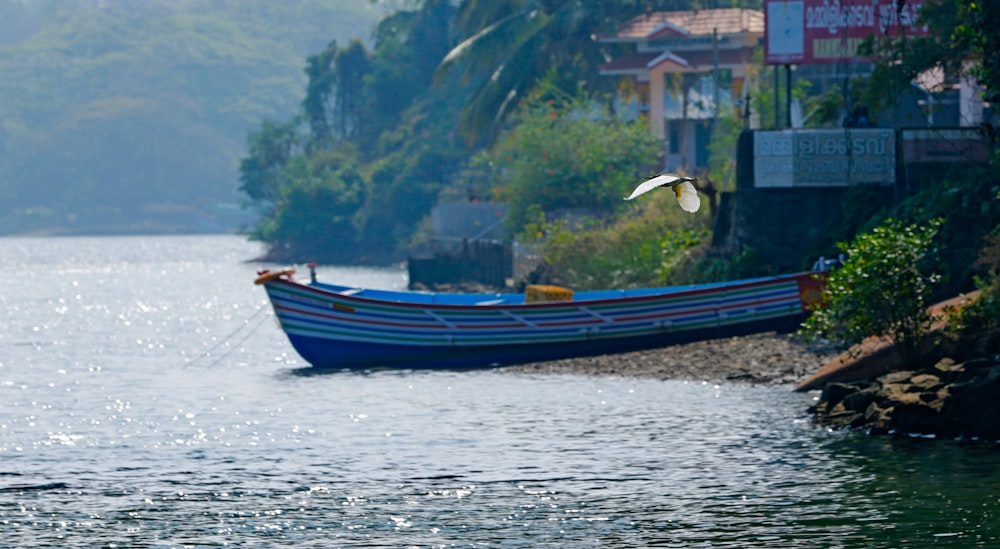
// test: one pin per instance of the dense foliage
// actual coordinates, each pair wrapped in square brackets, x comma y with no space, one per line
[882,289]
[983,315]
[966,198]
[378,142]
[631,254]
[441,82]
[652,244]
[569,153]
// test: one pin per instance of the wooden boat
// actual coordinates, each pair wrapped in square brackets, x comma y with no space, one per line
[334,326]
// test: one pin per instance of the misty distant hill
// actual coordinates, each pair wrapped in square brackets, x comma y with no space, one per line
[131,116]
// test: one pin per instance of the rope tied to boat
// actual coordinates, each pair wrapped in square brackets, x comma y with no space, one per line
[256,316]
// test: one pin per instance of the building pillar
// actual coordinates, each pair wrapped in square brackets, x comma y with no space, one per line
[970,95]
[656,93]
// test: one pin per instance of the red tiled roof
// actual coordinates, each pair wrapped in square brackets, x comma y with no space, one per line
[690,23]
[667,28]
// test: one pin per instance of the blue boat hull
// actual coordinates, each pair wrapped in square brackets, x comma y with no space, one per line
[341,327]
[332,354]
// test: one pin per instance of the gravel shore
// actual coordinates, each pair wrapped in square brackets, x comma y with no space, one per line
[767,358]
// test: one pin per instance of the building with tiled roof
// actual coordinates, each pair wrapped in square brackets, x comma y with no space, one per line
[657,25]
[693,43]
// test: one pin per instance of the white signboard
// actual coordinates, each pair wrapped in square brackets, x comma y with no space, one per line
[785,37]
[824,158]
[773,164]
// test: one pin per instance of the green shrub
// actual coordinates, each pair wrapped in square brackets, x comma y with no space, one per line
[653,245]
[881,290]
[715,267]
[314,217]
[568,154]
[983,315]
[967,198]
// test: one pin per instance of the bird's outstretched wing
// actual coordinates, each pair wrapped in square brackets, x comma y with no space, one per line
[687,196]
[661,180]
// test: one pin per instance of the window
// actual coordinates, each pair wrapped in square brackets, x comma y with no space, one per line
[673,136]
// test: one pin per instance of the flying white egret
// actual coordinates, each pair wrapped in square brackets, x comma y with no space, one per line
[687,195]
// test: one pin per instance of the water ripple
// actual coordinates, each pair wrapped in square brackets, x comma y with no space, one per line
[111,435]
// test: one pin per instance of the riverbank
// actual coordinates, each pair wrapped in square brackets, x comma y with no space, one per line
[762,359]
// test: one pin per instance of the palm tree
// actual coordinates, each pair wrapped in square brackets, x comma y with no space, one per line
[510,46]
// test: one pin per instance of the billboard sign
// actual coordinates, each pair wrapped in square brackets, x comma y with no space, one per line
[824,158]
[829,31]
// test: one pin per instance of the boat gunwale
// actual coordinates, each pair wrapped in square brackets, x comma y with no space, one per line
[546,305]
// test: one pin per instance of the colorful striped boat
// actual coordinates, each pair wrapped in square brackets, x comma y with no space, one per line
[343,327]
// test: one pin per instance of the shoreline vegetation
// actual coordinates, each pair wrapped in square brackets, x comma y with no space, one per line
[949,389]
[364,193]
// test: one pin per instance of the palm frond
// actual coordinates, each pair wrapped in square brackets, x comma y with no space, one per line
[475,15]
[491,46]
[492,101]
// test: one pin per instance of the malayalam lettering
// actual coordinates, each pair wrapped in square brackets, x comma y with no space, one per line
[824,157]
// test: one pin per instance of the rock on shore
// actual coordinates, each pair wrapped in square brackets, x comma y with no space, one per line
[870,387]
[766,358]
[950,400]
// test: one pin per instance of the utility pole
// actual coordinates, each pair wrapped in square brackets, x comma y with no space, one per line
[788,94]
[715,80]
[777,98]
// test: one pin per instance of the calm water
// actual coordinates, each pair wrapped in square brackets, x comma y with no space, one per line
[147,399]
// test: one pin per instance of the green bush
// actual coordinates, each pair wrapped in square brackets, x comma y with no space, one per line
[983,315]
[719,267]
[966,198]
[881,290]
[314,216]
[569,154]
[655,244]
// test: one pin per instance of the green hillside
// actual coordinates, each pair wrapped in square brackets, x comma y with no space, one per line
[132,116]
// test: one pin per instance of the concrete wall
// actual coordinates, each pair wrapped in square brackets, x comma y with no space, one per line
[789,227]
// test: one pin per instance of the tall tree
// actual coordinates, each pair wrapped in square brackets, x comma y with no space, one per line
[361,107]
[322,81]
[335,92]
[352,66]
[270,149]
[510,46]
[555,159]
[408,46]
[314,218]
